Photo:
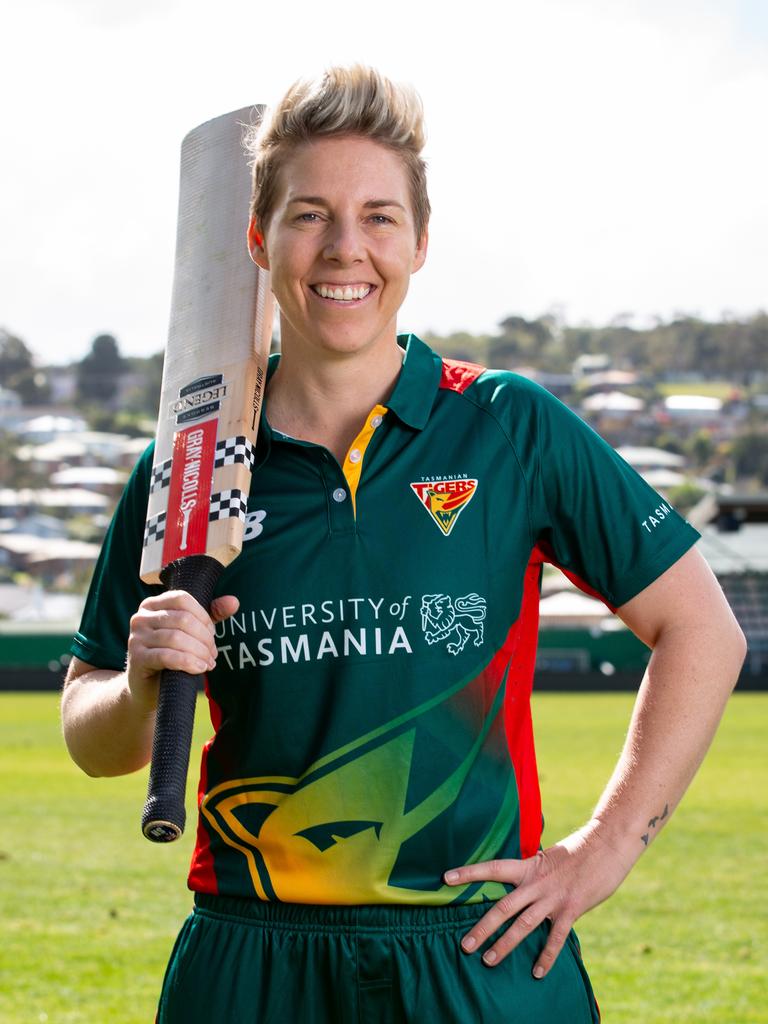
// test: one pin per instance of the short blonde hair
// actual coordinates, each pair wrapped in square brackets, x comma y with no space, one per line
[355,100]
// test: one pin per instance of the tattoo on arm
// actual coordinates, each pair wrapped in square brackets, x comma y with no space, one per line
[646,837]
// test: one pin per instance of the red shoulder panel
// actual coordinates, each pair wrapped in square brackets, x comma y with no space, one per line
[457,375]
[543,553]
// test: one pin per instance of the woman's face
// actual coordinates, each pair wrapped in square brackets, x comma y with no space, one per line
[340,245]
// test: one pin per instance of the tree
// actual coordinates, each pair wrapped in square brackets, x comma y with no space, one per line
[686,495]
[749,453]
[99,372]
[15,357]
[700,447]
[145,397]
[18,372]
[523,341]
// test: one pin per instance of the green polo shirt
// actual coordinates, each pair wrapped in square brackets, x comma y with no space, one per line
[371,699]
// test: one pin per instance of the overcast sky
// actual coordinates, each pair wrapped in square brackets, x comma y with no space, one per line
[594,156]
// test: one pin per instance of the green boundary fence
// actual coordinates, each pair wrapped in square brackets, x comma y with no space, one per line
[34,656]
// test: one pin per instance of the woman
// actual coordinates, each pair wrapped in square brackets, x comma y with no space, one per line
[369,830]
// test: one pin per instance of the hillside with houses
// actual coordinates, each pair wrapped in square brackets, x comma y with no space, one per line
[685,403]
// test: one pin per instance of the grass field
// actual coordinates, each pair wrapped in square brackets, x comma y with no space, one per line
[89,909]
[710,388]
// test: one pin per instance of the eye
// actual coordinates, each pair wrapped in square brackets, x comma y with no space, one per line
[308,218]
[381,218]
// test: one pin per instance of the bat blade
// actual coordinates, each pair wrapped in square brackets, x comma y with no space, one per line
[215,364]
[213,385]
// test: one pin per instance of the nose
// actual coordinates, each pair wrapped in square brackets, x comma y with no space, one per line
[344,242]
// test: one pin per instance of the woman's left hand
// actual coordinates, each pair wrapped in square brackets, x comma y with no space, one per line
[560,883]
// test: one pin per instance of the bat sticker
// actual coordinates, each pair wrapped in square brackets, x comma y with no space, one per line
[200,398]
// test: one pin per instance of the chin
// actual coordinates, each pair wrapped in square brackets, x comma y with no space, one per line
[340,344]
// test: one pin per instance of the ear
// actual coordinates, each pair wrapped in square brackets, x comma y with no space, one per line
[256,245]
[421,252]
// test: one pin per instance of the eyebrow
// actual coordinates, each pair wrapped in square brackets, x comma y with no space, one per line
[371,204]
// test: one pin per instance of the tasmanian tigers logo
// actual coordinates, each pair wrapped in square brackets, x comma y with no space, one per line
[456,621]
[444,500]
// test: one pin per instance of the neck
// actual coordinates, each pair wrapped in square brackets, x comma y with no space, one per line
[327,399]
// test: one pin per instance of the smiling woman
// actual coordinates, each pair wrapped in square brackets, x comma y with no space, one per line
[369,804]
[339,217]
[341,245]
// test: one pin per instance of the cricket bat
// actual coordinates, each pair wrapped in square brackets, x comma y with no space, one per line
[213,384]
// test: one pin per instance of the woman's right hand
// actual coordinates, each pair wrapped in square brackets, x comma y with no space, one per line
[172,630]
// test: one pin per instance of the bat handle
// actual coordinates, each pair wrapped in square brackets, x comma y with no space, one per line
[164,815]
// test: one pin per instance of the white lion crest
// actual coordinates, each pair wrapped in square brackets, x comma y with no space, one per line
[442,618]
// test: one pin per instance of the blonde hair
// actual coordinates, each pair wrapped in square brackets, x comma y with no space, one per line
[355,100]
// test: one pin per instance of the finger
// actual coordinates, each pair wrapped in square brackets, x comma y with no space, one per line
[177,600]
[525,923]
[184,620]
[486,871]
[177,630]
[223,607]
[502,910]
[173,639]
[179,661]
[557,936]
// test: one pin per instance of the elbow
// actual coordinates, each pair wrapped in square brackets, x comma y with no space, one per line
[731,649]
[76,754]
[734,636]
[741,648]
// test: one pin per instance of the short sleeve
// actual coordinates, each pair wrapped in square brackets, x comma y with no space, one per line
[598,516]
[116,590]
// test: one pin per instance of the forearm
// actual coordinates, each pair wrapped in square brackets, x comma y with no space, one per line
[107,731]
[698,650]
[689,678]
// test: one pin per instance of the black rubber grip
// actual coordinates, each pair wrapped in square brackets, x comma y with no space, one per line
[164,815]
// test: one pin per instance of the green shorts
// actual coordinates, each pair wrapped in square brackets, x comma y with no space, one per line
[249,962]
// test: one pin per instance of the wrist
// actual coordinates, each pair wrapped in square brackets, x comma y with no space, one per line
[140,694]
[614,837]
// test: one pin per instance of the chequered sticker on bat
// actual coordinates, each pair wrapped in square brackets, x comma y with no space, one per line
[234,449]
[161,476]
[228,504]
[155,529]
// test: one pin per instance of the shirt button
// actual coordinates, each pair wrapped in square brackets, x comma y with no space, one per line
[339,494]
[376,422]
[355,455]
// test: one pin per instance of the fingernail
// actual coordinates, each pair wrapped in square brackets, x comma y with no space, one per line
[451,876]
[469,943]
[489,957]
[538,972]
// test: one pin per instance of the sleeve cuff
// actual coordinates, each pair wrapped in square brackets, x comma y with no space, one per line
[96,655]
[651,571]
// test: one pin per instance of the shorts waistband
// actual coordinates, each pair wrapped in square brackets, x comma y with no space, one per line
[369,917]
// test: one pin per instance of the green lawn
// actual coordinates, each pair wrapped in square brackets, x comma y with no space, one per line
[710,388]
[89,908]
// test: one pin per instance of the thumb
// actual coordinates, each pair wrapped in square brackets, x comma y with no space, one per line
[223,607]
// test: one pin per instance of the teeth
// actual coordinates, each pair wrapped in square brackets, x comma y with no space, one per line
[346,294]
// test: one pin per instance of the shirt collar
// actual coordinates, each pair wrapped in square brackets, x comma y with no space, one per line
[411,400]
[416,387]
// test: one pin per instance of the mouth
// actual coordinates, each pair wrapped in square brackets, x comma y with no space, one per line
[343,294]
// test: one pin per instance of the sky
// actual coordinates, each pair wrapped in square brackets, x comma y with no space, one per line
[591,158]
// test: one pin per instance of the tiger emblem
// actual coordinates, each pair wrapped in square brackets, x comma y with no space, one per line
[455,621]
